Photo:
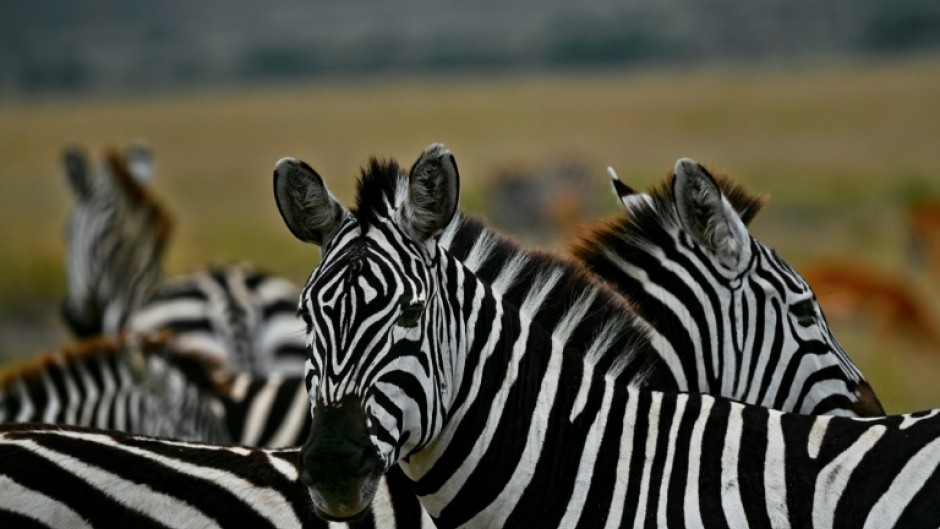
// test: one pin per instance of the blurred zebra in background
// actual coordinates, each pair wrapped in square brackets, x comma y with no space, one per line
[145,385]
[116,236]
[137,384]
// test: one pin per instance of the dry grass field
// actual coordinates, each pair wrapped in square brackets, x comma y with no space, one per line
[842,150]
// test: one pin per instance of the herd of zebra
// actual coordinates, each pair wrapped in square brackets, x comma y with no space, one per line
[668,371]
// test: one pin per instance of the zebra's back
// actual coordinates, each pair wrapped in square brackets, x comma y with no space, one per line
[134,383]
[60,477]
[241,315]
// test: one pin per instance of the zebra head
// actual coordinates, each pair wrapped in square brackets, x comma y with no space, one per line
[373,375]
[731,317]
[115,237]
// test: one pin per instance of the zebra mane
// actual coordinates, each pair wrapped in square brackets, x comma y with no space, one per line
[642,224]
[608,332]
[617,337]
[381,188]
[201,370]
[139,197]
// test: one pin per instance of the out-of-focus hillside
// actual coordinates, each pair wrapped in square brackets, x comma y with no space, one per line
[108,45]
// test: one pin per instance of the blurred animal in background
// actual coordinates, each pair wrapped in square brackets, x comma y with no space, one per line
[900,303]
[537,204]
[856,292]
[116,237]
[142,384]
[136,384]
[923,225]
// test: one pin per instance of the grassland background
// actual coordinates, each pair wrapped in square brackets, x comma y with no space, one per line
[841,149]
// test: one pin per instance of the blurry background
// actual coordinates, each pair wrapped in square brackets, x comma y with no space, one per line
[831,107]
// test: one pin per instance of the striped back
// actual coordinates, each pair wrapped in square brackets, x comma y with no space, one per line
[730,317]
[71,478]
[115,235]
[134,383]
[244,317]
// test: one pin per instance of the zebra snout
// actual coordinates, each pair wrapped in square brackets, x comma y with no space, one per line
[338,463]
[341,482]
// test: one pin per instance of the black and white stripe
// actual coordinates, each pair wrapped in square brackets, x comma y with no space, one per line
[143,385]
[237,313]
[414,359]
[71,478]
[116,237]
[729,316]
[133,383]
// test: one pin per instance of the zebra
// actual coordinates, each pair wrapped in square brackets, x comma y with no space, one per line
[116,236]
[413,359]
[490,256]
[144,384]
[134,383]
[74,478]
[725,309]
[487,254]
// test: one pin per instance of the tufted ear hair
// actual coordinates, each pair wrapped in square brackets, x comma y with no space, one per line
[77,173]
[308,208]
[139,161]
[433,192]
[625,194]
[708,217]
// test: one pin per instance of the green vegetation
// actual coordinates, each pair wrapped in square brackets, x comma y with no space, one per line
[841,150]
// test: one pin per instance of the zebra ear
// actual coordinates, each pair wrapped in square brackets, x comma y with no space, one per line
[139,160]
[77,173]
[433,192]
[626,194]
[708,217]
[307,206]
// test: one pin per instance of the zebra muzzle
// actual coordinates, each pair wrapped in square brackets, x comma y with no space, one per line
[338,463]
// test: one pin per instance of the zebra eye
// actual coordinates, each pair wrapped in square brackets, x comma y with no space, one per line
[410,313]
[805,312]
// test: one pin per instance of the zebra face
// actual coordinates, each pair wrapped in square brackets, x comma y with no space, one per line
[772,314]
[81,308]
[374,374]
[736,320]
[115,235]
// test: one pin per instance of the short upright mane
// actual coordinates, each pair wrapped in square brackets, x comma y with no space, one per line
[140,197]
[607,333]
[380,182]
